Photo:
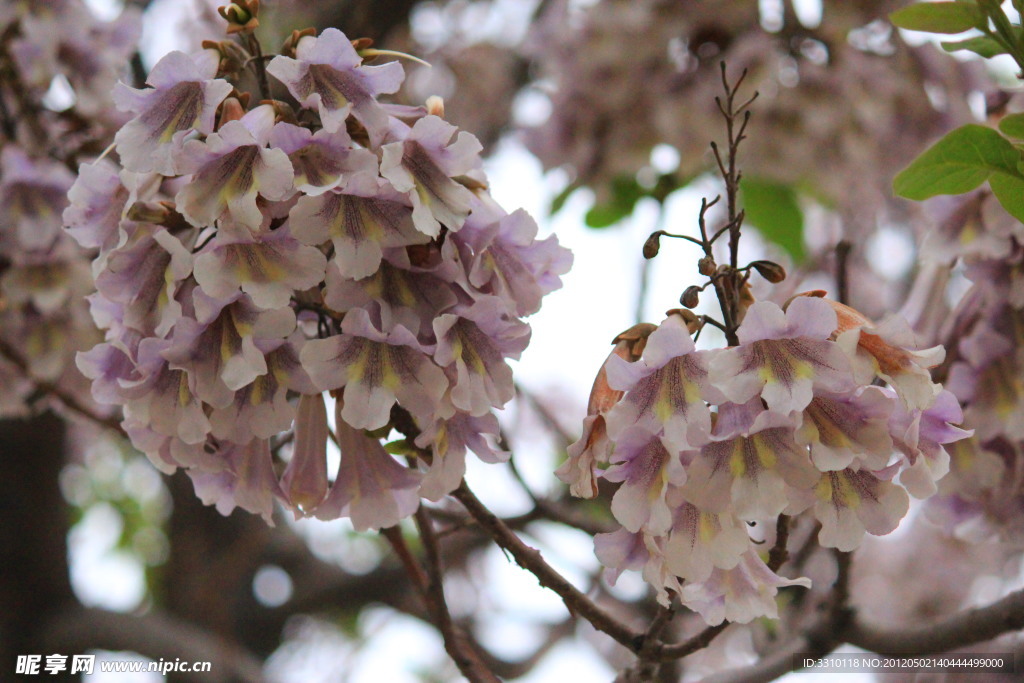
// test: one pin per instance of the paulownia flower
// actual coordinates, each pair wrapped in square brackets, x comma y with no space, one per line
[371,488]
[842,428]
[620,551]
[218,348]
[183,97]
[849,503]
[329,74]
[889,351]
[645,466]
[247,480]
[377,370]
[261,409]
[304,480]
[665,389]
[229,168]
[164,398]
[361,221]
[448,441]
[422,166]
[594,446]
[920,435]
[512,263]
[474,341]
[749,465]
[398,293]
[740,594]
[143,275]
[783,357]
[33,195]
[699,541]
[321,160]
[268,266]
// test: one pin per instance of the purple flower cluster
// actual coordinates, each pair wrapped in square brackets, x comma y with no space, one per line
[43,273]
[984,493]
[251,260]
[704,442]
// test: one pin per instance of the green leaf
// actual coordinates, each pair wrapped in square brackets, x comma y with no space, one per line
[625,193]
[958,163]
[979,45]
[775,211]
[1009,190]
[940,17]
[559,201]
[1013,126]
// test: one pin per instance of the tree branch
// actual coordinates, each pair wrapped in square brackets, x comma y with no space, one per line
[960,630]
[154,635]
[456,642]
[530,559]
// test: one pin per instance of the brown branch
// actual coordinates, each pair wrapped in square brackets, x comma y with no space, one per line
[68,400]
[155,635]
[959,630]
[456,641]
[530,559]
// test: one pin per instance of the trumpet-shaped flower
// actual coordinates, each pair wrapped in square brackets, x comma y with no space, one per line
[739,595]
[183,97]
[230,168]
[646,467]
[749,470]
[329,75]
[423,166]
[377,370]
[371,488]
[783,357]
[665,389]
[361,221]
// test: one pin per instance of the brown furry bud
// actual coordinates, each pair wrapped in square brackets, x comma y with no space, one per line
[653,245]
[770,271]
[707,265]
[690,297]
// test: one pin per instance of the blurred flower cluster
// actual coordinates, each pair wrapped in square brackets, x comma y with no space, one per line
[984,493]
[255,255]
[794,418]
[59,62]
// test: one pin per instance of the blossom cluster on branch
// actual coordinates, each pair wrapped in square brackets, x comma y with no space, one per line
[59,62]
[253,256]
[794,418]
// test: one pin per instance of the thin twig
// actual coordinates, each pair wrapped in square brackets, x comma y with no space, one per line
[68,400]
[530,559]
[456,641]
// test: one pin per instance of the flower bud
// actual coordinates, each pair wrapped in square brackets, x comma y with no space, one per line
[435,106]
[288,48]
[653,244]
[241,16]
[690,297]
[770,271]
[706,265]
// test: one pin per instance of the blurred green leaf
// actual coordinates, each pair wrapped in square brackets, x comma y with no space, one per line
[1013,126]
[958,163]
[625,193]
[1009,190]
[561,198]
[980,45]
[774,210]
[940,17]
